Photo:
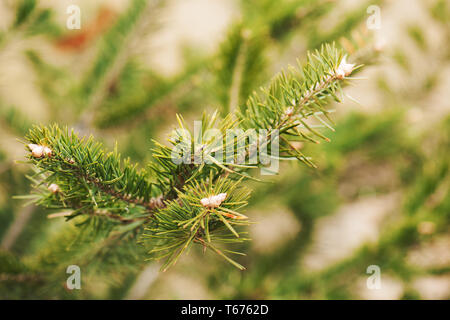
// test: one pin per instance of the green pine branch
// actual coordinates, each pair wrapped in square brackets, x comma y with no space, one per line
[87,176]
[190,202]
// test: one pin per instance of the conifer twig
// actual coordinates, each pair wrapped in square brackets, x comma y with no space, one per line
[193,202]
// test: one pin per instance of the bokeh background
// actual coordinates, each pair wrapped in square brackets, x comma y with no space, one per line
[380,195]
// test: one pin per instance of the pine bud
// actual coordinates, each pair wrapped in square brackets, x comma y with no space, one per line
[344,69]
[47,152]
[205,202]
[31,146]
[54,188]
[289,112]
[213,201]
[221,197]
[39,151]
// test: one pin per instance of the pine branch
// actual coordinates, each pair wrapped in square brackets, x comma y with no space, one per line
[86,176]
[193,201]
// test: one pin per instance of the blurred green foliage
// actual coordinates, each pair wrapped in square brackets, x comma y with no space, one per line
[126,100]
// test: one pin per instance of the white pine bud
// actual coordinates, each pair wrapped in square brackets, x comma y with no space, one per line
[218,199]
[31,146]
[54,188]
[37,151]
[213,201]
[344,69]
[205,202]
[289,111]
[47,151]
[221,197]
